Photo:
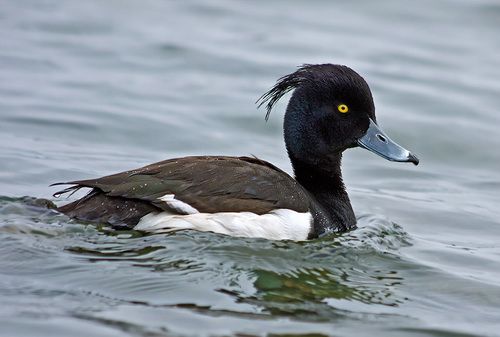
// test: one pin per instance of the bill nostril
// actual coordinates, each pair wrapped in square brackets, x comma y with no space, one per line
[381,138]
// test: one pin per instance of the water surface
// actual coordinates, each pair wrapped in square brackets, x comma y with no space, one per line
[88,88]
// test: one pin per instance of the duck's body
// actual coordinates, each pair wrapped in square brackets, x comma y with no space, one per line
[254,199]
[244,196]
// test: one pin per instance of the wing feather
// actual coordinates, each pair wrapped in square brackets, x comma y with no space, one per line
[209,184]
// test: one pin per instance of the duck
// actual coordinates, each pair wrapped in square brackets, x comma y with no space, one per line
[330,110]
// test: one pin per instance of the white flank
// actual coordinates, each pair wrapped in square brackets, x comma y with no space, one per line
[280,224]
[178,205]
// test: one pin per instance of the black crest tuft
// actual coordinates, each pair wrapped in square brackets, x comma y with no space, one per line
[284,85]
[333,76]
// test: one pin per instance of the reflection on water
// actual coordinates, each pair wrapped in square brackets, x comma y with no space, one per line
[300,293]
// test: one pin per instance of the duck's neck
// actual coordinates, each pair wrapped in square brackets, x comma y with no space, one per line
[333,211]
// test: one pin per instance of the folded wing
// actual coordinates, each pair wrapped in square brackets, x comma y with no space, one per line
[185,186]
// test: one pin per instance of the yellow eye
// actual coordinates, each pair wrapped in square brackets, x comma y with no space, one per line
[343,108]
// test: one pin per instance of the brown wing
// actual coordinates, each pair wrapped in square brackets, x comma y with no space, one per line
[209,184]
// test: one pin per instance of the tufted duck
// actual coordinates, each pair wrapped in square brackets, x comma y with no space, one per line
[331,109]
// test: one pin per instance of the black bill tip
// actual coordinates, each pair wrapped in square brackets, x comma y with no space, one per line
[413,159]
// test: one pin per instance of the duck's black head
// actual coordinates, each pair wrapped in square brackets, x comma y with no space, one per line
[331,110]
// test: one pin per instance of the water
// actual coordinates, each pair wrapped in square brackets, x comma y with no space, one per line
[89,88]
